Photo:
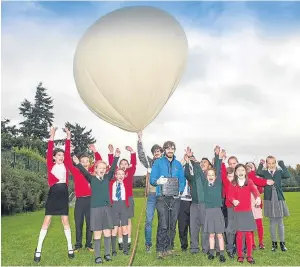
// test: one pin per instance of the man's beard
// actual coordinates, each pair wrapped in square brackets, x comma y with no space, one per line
[170,155]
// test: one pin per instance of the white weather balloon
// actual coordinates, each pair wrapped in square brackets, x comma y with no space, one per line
[129,63]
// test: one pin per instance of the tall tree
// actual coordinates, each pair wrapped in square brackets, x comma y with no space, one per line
[6,128]
[38,115]
[80,137]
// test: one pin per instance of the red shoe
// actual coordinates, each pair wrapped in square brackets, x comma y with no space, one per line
[261,246]
[253,247]
[240,259]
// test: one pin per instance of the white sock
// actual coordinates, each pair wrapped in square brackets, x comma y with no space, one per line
[129,239]
[120,239]
[40,242]
[69,239]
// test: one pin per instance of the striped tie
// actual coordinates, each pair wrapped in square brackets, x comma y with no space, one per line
[118,192]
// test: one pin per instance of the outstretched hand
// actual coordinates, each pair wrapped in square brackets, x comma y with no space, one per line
[217,150]
[222,154]
[117,153]
[111,148]
[129,148]
[68,132]
[93,148]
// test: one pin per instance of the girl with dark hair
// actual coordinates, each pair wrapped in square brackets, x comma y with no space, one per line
[240,195]
[57,203]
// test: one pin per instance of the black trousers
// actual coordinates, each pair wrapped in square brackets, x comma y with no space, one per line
[167,211]
[184,222]
[82,211]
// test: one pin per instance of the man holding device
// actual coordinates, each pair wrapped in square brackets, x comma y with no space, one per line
[167,176]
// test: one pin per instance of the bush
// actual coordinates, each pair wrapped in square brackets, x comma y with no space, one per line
[291,189]
[22,190]
[30,153]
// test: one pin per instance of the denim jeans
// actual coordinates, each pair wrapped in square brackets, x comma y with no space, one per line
[151,204]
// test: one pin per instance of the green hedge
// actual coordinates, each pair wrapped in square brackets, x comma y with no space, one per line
[291,189]
[22,190]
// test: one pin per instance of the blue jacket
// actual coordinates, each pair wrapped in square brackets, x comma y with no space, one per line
[163,167]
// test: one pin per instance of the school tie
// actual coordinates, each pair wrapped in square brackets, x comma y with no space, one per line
[272,173]
[118,192]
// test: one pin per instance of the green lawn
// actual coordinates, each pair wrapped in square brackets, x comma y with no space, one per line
[20,234]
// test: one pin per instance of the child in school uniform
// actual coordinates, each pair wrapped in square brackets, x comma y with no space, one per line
[240,195]
[193,174]
[214,219]
[101,211]
[120,204]
[57,203]
[274,202]
[83,194]
[129,169]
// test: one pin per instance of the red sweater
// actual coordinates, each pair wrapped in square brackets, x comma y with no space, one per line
[243,195]
[52,180]
[129,173]
[226,184]
[81,185]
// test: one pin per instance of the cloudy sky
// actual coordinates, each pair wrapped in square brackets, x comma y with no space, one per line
[241,88]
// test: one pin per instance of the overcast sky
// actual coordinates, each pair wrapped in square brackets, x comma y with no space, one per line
[241,88]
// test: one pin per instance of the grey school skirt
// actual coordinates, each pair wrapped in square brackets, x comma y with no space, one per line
[275,208]
[101,218]
[244,221]
[214,221]
[120,213]
[230,229]
[130,209]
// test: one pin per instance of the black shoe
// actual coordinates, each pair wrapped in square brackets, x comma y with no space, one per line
[129,245]
[35,258]
[222,258]
[98,260]
[250,260]
[107,257]
[274,246]
[121,246]
[210,257]
[125,252]
[282,246]
[148,248]
[230,255]
[114,253]
[184,249]
[217,254]
[72,254]
[194,252]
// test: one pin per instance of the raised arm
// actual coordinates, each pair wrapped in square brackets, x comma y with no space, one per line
[132,160]
[68,159]
[110,154]
[187,172]
[142,155]
[51,146]
[97,157]
[113,167]
[285,173]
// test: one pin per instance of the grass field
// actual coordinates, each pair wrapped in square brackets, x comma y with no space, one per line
[20,234]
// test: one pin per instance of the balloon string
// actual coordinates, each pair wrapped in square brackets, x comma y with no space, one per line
[137,231]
